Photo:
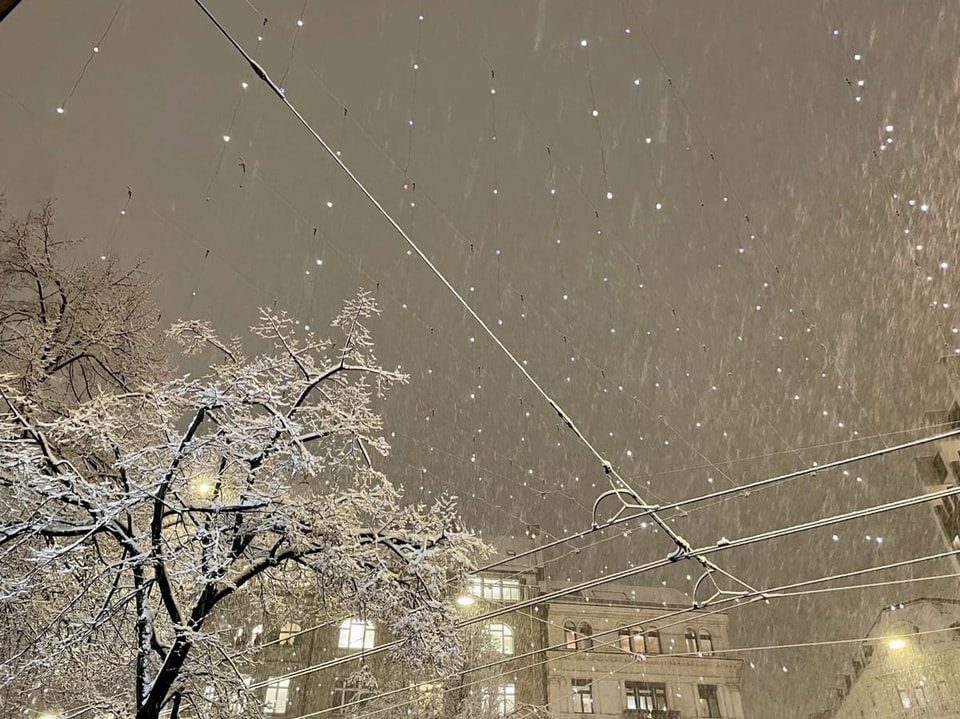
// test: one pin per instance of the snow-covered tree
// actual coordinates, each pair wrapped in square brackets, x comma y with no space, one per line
[139,508]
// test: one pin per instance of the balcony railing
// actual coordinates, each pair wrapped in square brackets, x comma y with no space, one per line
[651,714]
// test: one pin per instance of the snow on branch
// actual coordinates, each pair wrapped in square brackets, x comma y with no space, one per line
[137,507]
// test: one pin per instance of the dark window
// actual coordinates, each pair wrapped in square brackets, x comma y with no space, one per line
[646,697]
[690,637]
[344,695]
[582,696]
[585,638]
[651,639]
[709,704]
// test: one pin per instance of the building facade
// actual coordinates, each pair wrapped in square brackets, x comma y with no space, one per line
[638,665]
[940,469]
[908,665]
[608,653]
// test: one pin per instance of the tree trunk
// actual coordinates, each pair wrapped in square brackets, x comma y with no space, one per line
[150,708]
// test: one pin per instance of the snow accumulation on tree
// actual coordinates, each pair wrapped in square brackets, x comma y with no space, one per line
[137,506]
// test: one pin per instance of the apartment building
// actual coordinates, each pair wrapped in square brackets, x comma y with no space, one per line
[608,652]
[613,652]
[908,665]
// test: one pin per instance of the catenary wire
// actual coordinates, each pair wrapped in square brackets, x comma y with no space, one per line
[723,545]
[736,601]
[622,519]
[616,480]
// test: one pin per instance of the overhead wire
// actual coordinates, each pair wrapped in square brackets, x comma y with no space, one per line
[546,321]
[596,639]
[685,551]
[93,53]
[723,545]
[659,415]
[620,519]
[616,479]
[794,451]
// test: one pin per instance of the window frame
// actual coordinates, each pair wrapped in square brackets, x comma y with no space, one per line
[501,638]
[344,694]
[655,691]
[500,589]
[288,633]
[583,702]
[710,703]
[348,638]
[570,634]
[503,700]
[704,641]
[652,634]
[585,635]
[280,689]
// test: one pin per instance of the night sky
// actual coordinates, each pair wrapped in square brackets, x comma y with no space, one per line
[721,235]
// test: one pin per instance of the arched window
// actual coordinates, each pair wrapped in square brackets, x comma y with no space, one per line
[238,637]
[585,640]
[636,640]
[690,637]
[501,638]
[570,634]
[652,641]
[288,633]
[624,639]
[706,642]
[356,634]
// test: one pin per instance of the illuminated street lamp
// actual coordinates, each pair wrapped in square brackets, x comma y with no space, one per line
[897,643]
[465,600]
[203,488]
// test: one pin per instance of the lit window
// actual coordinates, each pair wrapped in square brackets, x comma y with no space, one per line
[496,588]
[275,701]
[624,639]
[646,697]
[501,638]
[288,633]
[582,696]
[570,635]
[709,703]
[356,634]
[706,642]
[905,699]
[506,699]
[690,637]
[256,635]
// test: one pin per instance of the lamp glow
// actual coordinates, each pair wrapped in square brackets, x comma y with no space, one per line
[897,643]
[465,600]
